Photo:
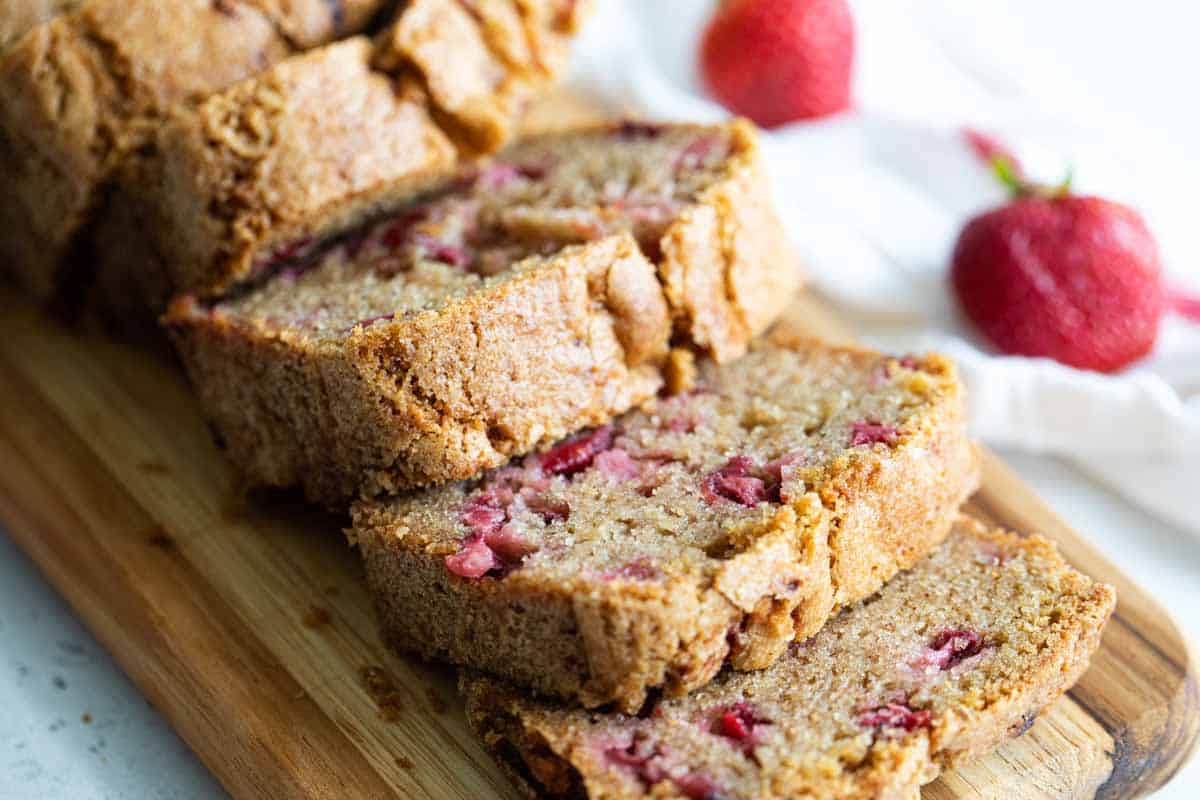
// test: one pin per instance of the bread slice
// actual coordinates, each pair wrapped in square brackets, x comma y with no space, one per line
[716,525]
[82,92]
[945,663]
[505,308]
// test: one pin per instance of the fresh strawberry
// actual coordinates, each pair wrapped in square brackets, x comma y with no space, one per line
[776,61]
[1059,275]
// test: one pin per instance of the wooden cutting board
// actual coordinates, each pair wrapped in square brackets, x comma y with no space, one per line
[246,622]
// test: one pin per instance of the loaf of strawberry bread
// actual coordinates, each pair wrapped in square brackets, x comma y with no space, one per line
[83,91]
[310,146]
[713,526]
[508,305]
[945,663]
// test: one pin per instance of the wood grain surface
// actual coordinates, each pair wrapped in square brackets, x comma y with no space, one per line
[247,624]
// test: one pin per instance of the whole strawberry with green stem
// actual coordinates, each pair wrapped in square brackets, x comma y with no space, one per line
[777,61]
[1070,277]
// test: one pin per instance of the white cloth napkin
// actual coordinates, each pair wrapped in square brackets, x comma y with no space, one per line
[874,200]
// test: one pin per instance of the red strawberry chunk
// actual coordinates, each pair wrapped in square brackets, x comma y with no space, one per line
[445,252]
[548,508]
[474,558]
[508,545]
[740,723]
[495,543]
[732,726]
[949,649]
[398,230]
[697,786]
[896,716]
[486,512]
[651,764]
[644,758]
[733,483]
[696,152]
[500,174]
[617,464]
[867,432]
[577,453]
[640,569]
[630,129]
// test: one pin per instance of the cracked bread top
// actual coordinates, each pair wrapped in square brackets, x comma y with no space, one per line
[309,147]
[482,61]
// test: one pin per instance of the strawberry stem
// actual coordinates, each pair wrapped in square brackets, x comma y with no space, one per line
[1064,188]
[1184,304]
[1006,172]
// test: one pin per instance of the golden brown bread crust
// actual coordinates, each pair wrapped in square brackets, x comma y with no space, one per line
[81,93]
[78,93]
[812,719]
[728,269]
[865,515]
[438,395]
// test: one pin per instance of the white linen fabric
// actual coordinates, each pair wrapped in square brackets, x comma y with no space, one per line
[874,199]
